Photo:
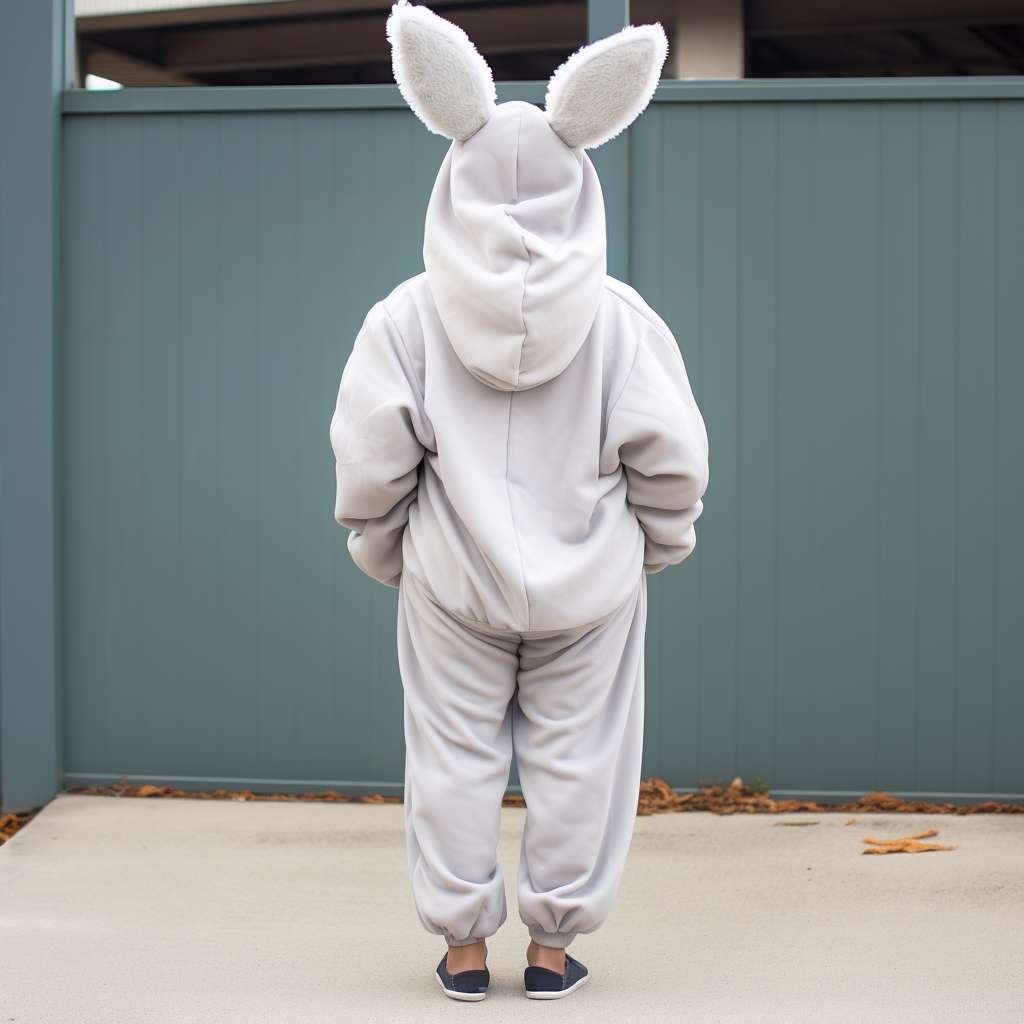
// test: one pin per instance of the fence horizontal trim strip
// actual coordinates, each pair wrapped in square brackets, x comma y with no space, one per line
[204,783]
[227,98]
[259,97]
[364,97]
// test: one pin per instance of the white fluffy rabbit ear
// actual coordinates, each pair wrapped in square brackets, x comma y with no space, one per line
[604,87]
[439,72]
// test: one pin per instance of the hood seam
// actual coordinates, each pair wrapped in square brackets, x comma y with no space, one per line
[529,253]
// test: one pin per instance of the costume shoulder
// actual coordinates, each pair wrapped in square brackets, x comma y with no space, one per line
[630,297]
[405,302]
[398,320]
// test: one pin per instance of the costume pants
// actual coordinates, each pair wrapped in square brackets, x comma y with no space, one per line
[571,705]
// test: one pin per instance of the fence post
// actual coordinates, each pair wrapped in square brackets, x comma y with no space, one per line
[605,17]
[36,46]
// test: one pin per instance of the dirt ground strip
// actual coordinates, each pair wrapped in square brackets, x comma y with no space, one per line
[656,797]
[12,823]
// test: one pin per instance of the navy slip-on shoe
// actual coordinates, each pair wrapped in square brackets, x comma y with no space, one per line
[469,986]
[544,984]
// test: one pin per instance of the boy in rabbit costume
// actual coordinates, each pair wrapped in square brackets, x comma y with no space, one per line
[517,445]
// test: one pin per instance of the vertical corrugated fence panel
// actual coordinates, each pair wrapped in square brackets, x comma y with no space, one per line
[1008,689]
[899,270]
[977,225]
[218,268]
[718,154]
[793,513]
[840,279]
[757,334]
[938,464]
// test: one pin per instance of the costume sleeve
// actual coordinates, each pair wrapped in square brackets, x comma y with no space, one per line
[656,432]
[377,447]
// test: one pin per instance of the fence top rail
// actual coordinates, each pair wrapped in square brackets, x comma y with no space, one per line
[368,97]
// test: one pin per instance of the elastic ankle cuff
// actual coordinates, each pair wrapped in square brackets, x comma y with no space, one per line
[556,940]
[461,942]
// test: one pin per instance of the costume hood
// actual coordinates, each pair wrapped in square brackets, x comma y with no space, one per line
[514,246]
[514,249]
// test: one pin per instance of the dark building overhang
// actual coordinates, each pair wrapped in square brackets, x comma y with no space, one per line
[343,41]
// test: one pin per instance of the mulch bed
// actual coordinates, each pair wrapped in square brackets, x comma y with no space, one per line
[328,796]
[12,823]
[656,797]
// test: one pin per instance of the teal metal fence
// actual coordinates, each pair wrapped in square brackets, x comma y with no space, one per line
[218,268]
[841,263]
[844,279]
[35,67]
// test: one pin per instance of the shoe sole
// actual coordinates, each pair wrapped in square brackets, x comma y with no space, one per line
[463,997]
[558,995]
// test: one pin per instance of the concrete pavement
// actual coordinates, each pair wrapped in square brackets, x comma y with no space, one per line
[152,911]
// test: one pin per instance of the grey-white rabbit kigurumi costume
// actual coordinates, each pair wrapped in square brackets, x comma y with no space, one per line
[517,444]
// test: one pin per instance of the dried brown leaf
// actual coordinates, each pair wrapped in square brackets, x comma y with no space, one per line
[907,846]
[903,839]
